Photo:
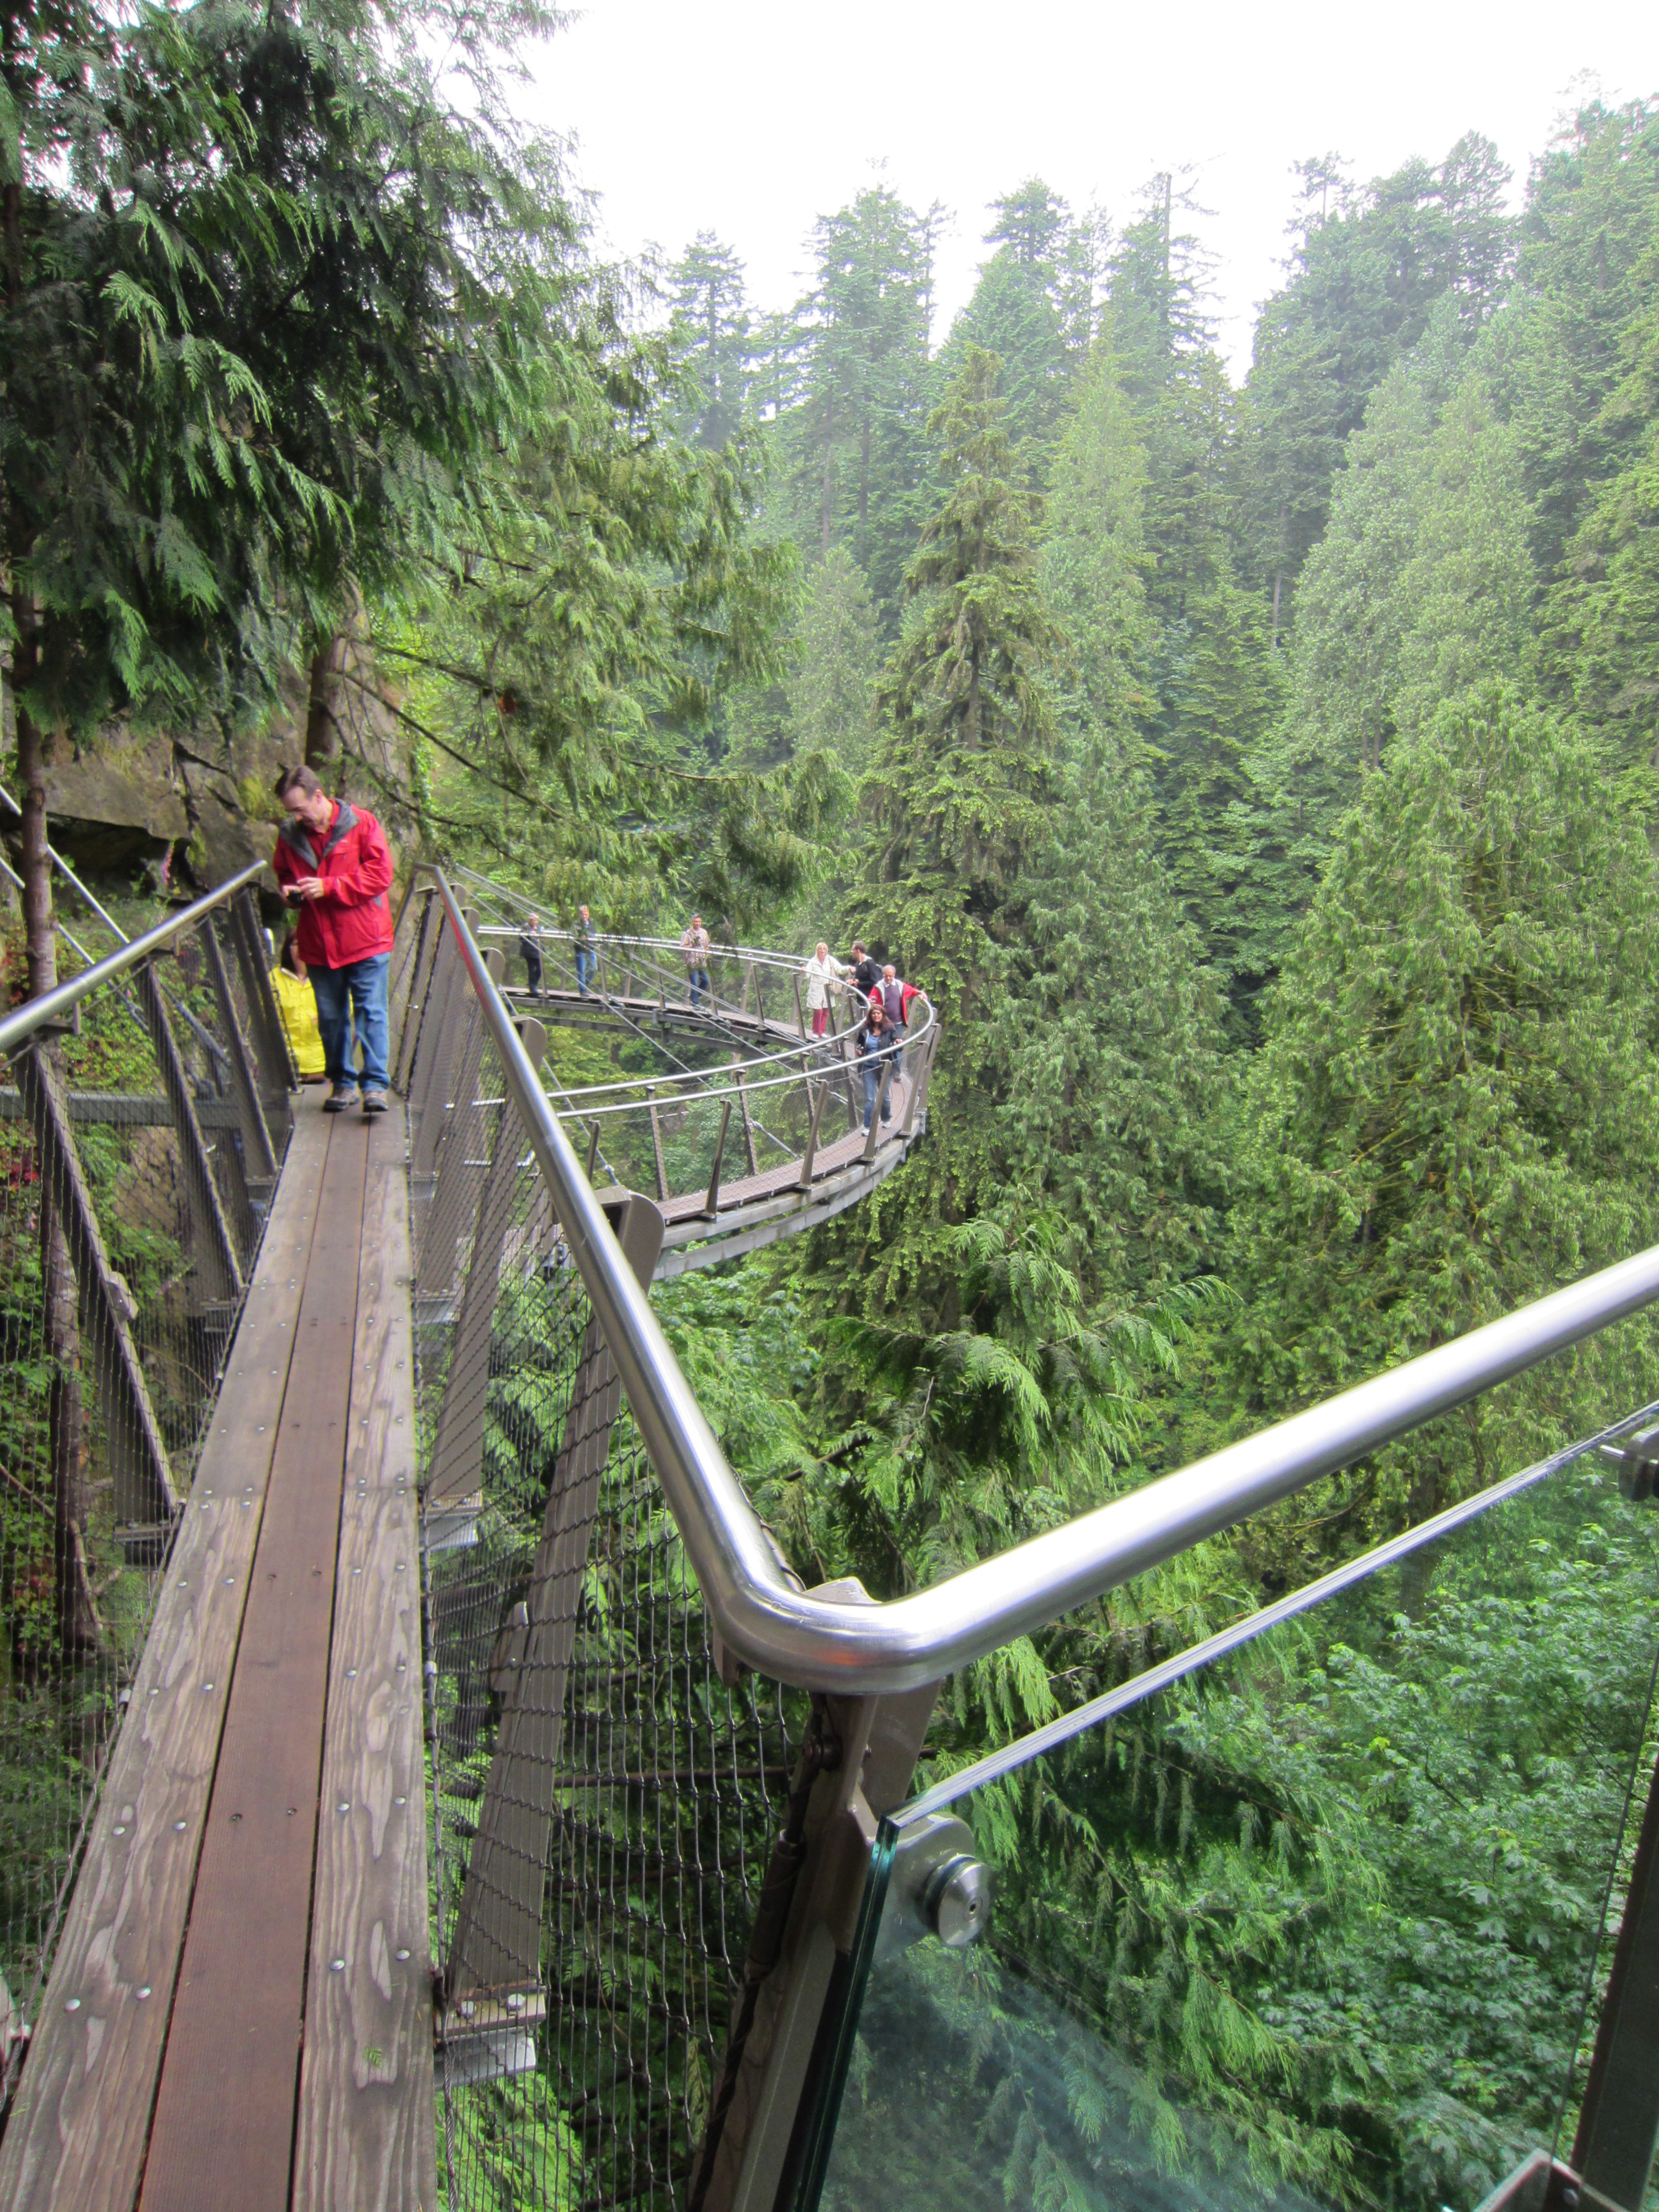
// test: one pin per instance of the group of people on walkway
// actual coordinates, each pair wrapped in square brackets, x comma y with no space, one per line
[886,999]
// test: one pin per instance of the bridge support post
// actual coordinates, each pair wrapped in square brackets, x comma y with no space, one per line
[748,1118]
[420,985]
[454,1488]
[711,1206]
[917,1102]
[277,1073]
[855,1768]
[815,1102]
[458,1150]
[146,1503]
[872,1136]
[210,1244]
[431,1091]
[258,1155]
[493,1995]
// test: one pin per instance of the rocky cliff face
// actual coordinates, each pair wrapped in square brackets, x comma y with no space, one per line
[199,803]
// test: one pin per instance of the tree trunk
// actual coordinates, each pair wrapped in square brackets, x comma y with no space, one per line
[1278,579]
[77,1614]
[325,719]
[864,479]
[828,472]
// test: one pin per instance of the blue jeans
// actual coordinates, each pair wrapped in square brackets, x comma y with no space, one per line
[696,976]
[342,994]
[872,1072]
[586,962]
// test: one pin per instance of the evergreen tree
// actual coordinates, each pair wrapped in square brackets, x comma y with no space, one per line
[1451,1114]
[856,440]
[832,692]
[709,334]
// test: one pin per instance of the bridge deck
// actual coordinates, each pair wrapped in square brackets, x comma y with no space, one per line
[240,2011]
[752,1210]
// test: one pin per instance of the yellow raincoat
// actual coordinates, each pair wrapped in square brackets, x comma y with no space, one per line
[296,1002]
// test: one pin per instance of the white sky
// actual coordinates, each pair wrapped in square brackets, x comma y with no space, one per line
[753,121]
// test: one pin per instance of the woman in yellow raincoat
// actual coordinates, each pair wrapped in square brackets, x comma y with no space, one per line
[297,1002]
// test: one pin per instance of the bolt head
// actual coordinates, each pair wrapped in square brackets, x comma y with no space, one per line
[959,1901]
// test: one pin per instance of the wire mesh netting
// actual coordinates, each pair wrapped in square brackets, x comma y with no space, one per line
[605,1804]
[139,1146]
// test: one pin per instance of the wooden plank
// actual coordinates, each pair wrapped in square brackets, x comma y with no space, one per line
[366,2140]
[223,2130]
[75,2141]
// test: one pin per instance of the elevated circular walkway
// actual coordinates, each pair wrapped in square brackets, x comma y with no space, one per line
[742,1125]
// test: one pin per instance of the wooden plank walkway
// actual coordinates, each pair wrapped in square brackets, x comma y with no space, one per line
[166,2066]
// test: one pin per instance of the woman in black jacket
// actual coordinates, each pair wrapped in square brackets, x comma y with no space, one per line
[875,1043]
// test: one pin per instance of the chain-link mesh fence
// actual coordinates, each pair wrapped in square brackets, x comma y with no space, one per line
[140,1141]
[605,1803]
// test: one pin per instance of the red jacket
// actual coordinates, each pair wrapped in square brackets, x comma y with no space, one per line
[352,921]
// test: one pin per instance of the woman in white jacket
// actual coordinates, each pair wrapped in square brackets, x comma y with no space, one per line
[821,971]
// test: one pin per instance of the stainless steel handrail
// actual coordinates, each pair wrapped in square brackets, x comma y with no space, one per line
[27,1019]
[814,1642]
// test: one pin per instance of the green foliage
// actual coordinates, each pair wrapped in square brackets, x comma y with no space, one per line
[1451,1112]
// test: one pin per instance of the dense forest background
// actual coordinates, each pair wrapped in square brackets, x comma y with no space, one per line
[1260,779]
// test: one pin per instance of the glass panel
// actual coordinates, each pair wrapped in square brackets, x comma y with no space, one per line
[1317,1926]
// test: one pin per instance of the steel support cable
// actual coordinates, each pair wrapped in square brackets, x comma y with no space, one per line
[794,1637]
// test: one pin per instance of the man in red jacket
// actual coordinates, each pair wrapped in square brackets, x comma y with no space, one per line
[335,866]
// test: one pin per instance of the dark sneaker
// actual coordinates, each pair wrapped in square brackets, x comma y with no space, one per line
[341,1099]
[374,1102]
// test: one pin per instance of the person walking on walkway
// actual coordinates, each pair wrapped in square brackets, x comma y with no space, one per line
[529,943]
[334,864]
[866,973]
[585,938]
[874,1045]
[893,989]
[821,971]
[694,946]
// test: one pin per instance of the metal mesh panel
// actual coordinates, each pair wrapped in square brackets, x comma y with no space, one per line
[129,1217]
[604,1804]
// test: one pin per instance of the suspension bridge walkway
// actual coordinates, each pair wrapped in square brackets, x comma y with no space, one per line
[439,1789]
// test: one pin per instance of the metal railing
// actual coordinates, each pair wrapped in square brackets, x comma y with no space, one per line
[142,1132]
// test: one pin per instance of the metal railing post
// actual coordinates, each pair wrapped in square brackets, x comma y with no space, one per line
[258,1154]
[277,1073]
[815,1102]
[857,1767]
[458,1162]
[211,1247]
[919,1078]
[748,1118]
[454,1490]
[419,984]
[711,1205]
[431,1091]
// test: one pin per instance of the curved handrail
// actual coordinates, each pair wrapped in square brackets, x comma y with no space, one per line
[24,1020]
[816,1643]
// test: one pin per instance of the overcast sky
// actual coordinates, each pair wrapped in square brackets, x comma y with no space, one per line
[753,121]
